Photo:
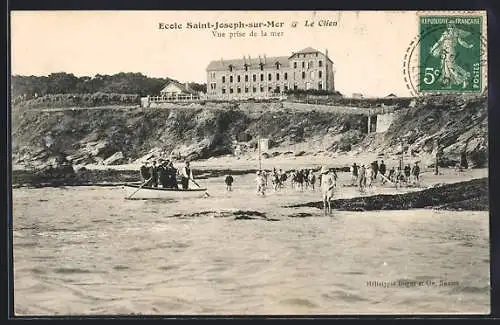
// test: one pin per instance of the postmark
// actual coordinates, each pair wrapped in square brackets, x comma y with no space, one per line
[449,55]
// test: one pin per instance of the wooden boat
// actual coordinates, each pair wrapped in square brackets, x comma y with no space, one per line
[147,192]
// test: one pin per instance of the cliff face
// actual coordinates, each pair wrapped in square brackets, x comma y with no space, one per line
[114,136]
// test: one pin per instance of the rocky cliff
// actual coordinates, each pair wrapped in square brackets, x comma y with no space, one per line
[115,136]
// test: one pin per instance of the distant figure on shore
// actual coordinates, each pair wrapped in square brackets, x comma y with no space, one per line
[261,183]
[153,170]
[229,181]
[283,177]
[145,174]
[354,173]
[382,169]
[311,179]
[375,169]
[186,175]
[370,173]
[328,184]
[276,180]
[407,171]
[362,178]
[416,172]
[392,174]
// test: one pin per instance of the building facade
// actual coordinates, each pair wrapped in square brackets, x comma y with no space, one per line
[266,77]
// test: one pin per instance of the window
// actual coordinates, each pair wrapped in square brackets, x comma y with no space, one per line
[254,78]
[303,64]
[246,78]
[239,78]
[261,66]
[295,87]
[231,68]
[285,76]
[246,89]
[312,74]
[311,64]
[278,89]
[295,65]
[277,65]
[269,77]
[316,54]
[223,90]
[261,77]
[277,76]
[261,89]
[254,89]
[269,89]
[286,88]
[320,63]
[239,90]
[231,90]
[212,85]
[303,75]
[223,79]
[320,85]
[246,67]
[230,78]
[320,74]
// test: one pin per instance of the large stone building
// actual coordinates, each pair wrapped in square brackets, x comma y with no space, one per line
[265,77]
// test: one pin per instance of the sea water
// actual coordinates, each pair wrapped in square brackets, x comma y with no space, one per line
[88,251]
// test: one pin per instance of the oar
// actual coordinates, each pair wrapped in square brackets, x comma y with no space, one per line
[192,180]
[140,187]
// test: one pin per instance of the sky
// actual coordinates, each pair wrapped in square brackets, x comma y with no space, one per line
[367,48]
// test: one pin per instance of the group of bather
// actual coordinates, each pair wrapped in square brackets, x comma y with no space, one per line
[365,175]
[162,173]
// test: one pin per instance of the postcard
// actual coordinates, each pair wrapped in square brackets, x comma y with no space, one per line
[250,163]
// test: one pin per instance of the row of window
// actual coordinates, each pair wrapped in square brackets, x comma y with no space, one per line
[270,77]
[277,89]
[310,64]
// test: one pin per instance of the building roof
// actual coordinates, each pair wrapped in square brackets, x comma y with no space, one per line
[239,64]
[181,86]
[309,50]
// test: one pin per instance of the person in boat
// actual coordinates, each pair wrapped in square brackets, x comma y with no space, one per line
[172,176]
[162,173]
[328,184]
[153,170]
[186,175]
[261,183]
[145,174]
[229,181]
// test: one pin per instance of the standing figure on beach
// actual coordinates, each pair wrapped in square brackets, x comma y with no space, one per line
[445,48]
[276,181]
[362,178]
[328,184]
[186,175]
[229,182]
[261,183]
[369,175]
[354,174]
[382,170]
[311,179]
[416,172]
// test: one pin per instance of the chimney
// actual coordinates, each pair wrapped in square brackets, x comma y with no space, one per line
[186,85]
[326,53]
[264,59]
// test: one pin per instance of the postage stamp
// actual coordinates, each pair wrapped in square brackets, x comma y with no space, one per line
[450,53]
[249,163]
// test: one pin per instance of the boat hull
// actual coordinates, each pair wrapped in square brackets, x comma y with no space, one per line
[161,193]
